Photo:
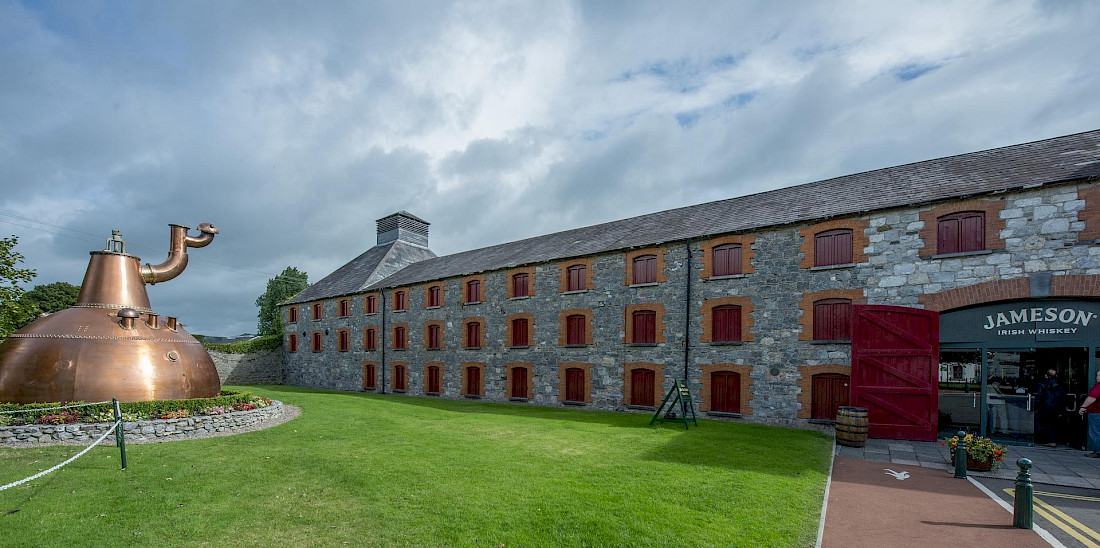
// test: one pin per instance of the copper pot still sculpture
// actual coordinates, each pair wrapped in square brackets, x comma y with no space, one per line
[111,344]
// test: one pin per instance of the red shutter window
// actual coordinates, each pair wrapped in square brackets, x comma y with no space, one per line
[645,269]
[399,339]
[574,330]
[292,315]
[317,346]
[473,335]
[473,291]
[433,337]
[433,380]
[345,307]
[574,384]
[644,327]
[727,260]
[725,323]
[833,320]
[292,342]
[433,296]
[960,232]
[343,339]
[370,377]
[725,392]
[473,381]
[519,382]
[370,305]
[641,387]
[519,332]
[368,339]
[833,247]
[519,285]
[399,377]
[575,278]
[399,300]
[318,311]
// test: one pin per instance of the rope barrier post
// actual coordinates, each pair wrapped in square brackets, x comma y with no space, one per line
[120,437]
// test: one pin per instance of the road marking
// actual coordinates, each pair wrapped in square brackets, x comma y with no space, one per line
[1056,516]
[1067,496]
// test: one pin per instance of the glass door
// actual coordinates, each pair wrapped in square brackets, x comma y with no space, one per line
[1010,401]
[960,389]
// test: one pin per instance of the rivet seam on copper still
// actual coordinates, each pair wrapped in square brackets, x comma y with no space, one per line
[97,338]
[100,305]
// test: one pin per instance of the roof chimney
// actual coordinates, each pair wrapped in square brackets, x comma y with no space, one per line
[403,226]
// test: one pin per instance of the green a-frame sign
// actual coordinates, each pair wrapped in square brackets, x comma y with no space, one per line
[678,396]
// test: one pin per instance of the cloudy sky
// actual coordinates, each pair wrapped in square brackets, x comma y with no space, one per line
[292,126]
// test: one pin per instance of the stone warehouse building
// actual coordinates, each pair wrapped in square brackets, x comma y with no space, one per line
[750,299]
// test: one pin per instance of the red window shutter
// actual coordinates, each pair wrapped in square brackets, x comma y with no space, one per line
[833,320]
[317,342]
[519,382]
[726,323]
[833,247]
[399,300]
[727,260]
[473,380]
[292,342]
[368,339]
[399,377]
[725,392]
[433,296]
[345,307]
[641,387]
[473,335]
[574,384]
[574,330]
[370,305]
[644,327]
[960,232]
[342,341]
[369,377]
[399,337]
[519,332]
[292,315]
[575,280]
[433,336]
[645,269]
[519,285]
[432,384]
[318,310]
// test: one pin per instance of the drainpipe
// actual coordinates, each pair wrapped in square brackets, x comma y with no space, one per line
[382,342]
[687,311]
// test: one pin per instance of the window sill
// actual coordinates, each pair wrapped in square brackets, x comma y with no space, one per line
[402,311]
[520,298]
[822,421]
[316,319]
[519,347]
[342,350]
[575,292]
[576,403]
[832,267]
[574,346]
[472,396]
[519,399]
[431,393]
[370,313]
[343,316]
[727,343]
[437,348]
[370,389]
[725,277]
[641,344]
[399,349]
[962,254]
[397,391]
[725,414]
[471,303]
[471,348]
[436,307]
[835,341]
[369,349]
[642,407]
[647,284]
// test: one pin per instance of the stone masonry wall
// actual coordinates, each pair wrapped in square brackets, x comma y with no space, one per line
[265,367]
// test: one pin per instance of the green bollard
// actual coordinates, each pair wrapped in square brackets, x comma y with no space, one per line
[120,437]
[1023,511]
[960,456]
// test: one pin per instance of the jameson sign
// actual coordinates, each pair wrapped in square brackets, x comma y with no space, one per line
[1023,322]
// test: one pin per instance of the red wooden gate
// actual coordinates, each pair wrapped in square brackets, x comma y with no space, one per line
[895,368]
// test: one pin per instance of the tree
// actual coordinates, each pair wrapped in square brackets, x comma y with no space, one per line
[49,298]
[12,309]
[280,288]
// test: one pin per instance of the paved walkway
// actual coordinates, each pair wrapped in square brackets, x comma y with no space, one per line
[1051,466]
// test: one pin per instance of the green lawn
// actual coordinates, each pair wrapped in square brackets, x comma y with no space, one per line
[358,469]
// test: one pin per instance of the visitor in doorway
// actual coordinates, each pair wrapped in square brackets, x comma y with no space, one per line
[1091,405]
[1049,397]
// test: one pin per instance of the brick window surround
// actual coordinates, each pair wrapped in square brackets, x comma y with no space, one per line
[628,321]
[509,367]
[706,253]
[292,314]
[292,342]
[393,339]
[368,368]
[510,274]
[370,338]
[1090,215]
[427,328]
[806,305]
[629,256]
[587,368]
[370,303]
[479,320]
[465,287]
[442,376]
[859,239]
[805,383]
[530,329]
[658,370]
[343,308]
[399,302]
[1072,285]
[343,340]
[481,383]
[994,224]
[399,380]
[428,295]
[317,310]
[707,311]
[563,276]
[589,328]
[744,371]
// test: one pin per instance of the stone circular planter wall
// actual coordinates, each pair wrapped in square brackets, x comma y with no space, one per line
[151,430]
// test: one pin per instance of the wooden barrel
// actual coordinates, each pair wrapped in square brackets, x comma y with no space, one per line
[851,426]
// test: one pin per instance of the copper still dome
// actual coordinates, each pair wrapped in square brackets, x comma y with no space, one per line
[111,344]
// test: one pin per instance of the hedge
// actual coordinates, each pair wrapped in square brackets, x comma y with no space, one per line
[145,408]
[259,344]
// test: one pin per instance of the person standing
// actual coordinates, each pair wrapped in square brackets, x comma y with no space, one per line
[1049,395]
[1091,405]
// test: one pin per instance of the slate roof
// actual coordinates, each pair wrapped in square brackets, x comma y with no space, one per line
[372,266]
[1049,161]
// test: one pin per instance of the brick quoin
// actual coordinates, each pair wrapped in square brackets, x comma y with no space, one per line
[1090,215]
[659,323]
[628,276]
[706,254]
[994,224]
[530,271]
[480,366]
[746,384]
[859,239]
[563,275]
[589,325]
[1073,285]
[587,367]
[707,311]
[807,307]
[509,368]
[658,370]
[805,383]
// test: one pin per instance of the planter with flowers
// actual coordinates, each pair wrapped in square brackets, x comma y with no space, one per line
[982,454]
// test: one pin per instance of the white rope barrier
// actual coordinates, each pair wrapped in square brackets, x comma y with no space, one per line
[74,457]
[37,409]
